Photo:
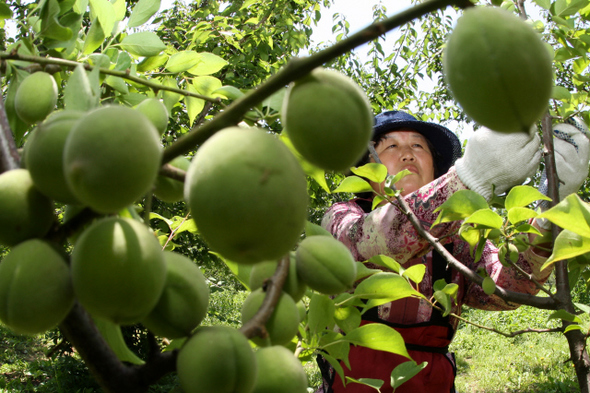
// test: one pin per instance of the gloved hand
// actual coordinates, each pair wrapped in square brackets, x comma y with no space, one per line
[572,153]
[504,160]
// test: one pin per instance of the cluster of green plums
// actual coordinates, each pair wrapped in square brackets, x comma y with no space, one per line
[247,193]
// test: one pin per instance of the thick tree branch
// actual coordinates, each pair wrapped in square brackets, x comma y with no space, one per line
[297,68]
[9,157]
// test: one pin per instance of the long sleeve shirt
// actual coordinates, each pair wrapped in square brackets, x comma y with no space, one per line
[387,231]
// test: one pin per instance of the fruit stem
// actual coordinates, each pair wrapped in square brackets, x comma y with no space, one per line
[255,326]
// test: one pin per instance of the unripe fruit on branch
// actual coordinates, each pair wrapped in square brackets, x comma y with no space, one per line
[217,359]
[498,69]
[328,118]
[171,190]
[118,270]
[488,285]
[325,265]
[112,158]
[25,213]
[156,112]
[44,155]
[35,288]
[264,270]
[247,194]
[279,371]
[35,97]
[184,300]
[283,323]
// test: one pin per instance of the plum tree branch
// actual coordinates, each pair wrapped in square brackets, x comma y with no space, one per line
[13,55]
[297,68]
[508,296]
[9,157]
[255,326]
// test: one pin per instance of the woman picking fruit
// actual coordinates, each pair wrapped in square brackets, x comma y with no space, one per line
[432,154]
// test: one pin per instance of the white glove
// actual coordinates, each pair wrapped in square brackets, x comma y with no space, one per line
[572,153]
[502,159]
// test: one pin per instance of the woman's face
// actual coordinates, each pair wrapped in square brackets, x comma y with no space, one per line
[406,149]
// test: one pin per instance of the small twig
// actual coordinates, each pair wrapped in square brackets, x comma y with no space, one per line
[121,74]
[508,296]
[255,326]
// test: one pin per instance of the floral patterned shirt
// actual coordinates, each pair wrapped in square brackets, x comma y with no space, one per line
[386,230]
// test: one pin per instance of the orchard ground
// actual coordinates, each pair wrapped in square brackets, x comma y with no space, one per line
[487,362]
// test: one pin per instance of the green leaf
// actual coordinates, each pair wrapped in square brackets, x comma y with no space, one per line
[50,25]
[379,337]
[78,94]
[385,261]
[566,316]
[444,301]
[336,365]
[353,184]
[170,98]
[275,101]
[568,7]
[105,12]
[152,62]
[120,7]
[460,205]
[520,196]
[561,93]
[545,4]
[321,313]
[372,171]
[5,11]
[207,64]
[182,61]
[241,271]
[229,92]
[486,218]
[572,214]
[391,180]
[145,43]
[117,83]
[519,214]
[206,85]
[471,235]
[194,105]
[94,38]
[347,318]
[384,287]
[143,11]
[372,383]
[584,307]
[334,345]
[362,271]
[405,371]
[415,273]
[567,245]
